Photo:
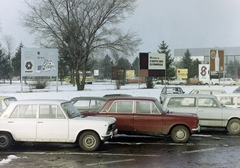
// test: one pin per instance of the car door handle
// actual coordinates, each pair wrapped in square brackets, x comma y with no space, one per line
[10,122]
[40,121]
[135,116]
[200,110]
[109,115]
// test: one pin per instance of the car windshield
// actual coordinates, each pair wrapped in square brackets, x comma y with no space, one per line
[161,107]
[70,110]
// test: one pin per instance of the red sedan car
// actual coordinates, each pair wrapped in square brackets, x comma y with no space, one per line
[147,116]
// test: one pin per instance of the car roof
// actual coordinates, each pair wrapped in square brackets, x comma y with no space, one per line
[133,98]
[171,87]
[40,101]
[89,98]
[190,95]
[116,95]
[208,90]
[227,95]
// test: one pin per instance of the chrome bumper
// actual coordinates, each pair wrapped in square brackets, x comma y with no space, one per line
[196,129]
[110,135]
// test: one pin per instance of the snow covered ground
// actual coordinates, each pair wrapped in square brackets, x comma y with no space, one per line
[67,91]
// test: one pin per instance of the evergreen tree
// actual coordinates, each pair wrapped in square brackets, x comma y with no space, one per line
[186,60]
[16,62]
[193,69]
[232,69]
[105,70]
[135,65]
[123,62]
[170,70]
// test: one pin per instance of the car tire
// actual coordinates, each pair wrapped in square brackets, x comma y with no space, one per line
[180,133]
[6,140]
[233,126]
[89,141]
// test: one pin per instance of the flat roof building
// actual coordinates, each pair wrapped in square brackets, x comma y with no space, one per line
[203,54]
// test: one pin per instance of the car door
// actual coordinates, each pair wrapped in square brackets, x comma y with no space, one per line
[147,117]
[52,124]
[209,112]
[122,110]
[22,122]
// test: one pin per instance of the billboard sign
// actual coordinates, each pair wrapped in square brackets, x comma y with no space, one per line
[182,73]
[39,62]
[217,60]
[203,72]
[152,64]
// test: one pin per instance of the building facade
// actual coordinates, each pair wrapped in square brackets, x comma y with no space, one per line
[203,54]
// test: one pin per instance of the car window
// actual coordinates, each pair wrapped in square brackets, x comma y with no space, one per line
[146,107]
[96,104]
[122,107]
[206,102]
[182,102]
[50,112]
[70,110]
[24,111]
[82,104]
[227,100]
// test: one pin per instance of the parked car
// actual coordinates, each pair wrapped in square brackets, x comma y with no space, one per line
[169,90]
[175,81]
[194,81]
[229,99]
[88,103]
[5,101]
[136,115]
[207,91]
[53,121]
[227,81]
[209,110]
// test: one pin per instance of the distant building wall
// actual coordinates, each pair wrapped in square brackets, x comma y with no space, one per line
[230,54]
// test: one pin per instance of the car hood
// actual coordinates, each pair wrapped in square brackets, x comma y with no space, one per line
[98,118]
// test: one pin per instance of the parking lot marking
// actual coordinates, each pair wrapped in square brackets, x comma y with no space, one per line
[202,150]
[111,162]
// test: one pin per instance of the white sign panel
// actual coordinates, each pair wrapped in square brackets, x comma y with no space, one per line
[96,73]
[204,72]
[156,61]
[39,62]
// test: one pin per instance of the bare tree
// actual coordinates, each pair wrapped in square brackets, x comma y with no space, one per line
[9,43]
[82,28]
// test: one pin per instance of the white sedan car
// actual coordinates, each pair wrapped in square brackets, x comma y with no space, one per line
[53,121]
[209,110]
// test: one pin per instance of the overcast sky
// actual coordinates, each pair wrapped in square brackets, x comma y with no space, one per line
[180,23]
